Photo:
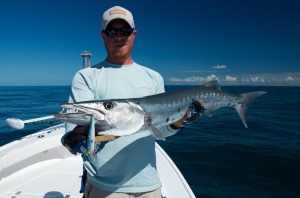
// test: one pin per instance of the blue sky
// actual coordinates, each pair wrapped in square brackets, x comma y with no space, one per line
[238,42]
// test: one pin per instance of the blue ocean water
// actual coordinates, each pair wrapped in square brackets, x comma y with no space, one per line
[217,155]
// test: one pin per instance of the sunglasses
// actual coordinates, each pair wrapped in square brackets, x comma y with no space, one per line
[114,31]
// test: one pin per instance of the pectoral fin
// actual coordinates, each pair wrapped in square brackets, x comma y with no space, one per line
[156,133]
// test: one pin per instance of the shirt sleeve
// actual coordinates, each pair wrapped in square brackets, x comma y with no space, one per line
[81,89]
[161,86]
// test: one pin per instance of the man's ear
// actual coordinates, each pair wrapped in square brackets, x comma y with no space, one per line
[102,34]
[134,33]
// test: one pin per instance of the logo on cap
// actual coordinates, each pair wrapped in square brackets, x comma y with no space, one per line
[117,12]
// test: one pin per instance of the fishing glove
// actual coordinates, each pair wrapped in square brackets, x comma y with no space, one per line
[195,110]
[74,139]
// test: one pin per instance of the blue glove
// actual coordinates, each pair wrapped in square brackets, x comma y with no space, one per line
[79,148]
[195,110]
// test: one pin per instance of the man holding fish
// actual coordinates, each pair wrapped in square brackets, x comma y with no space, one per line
[119,166]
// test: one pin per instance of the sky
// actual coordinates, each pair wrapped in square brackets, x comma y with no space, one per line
[238,42]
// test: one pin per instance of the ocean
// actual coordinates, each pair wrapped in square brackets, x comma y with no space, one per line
[217,155]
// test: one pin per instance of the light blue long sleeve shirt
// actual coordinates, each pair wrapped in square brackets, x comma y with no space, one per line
[127,164]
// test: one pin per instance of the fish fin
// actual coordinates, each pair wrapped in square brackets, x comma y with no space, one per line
[213,84]
[208,113]
[248,98]
[156,133]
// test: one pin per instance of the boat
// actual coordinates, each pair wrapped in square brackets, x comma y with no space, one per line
[38,165]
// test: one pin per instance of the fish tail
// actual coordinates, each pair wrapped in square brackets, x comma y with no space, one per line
[248,98]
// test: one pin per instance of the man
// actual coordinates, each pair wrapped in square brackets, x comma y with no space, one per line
[126,165]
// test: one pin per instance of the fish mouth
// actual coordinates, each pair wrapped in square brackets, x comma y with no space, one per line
[77,110]
[68,116]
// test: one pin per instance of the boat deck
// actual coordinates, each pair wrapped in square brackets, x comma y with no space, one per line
[51,178]
[39,166]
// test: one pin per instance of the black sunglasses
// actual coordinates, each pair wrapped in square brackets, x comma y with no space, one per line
[114,31]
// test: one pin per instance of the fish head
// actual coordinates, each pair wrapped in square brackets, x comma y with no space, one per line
[119,116]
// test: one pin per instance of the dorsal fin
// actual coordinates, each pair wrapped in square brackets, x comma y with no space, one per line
[213,84]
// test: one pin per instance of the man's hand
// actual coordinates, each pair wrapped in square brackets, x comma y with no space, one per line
[195,110]
[76,139]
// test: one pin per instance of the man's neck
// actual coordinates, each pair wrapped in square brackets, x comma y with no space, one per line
[115,61]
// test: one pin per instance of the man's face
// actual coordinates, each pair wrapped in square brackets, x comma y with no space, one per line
[118,46]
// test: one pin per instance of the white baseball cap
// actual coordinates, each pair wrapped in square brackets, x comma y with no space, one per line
[117,12]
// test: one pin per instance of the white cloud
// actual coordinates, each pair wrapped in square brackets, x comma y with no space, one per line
[214,69]
[276,79]
[219,67]
[212,77]
[289,78]
[257,79]
[194,79]
[231,78]
[175,79]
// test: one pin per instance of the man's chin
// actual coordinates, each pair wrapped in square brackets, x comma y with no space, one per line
[120,54]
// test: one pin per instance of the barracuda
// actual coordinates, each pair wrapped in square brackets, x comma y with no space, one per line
[120,117]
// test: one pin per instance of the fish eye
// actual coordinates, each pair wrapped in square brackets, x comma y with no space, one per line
[108,105]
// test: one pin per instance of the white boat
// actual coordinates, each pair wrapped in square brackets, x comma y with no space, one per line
[39,166]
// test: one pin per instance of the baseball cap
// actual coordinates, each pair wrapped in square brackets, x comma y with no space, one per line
[117,12]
